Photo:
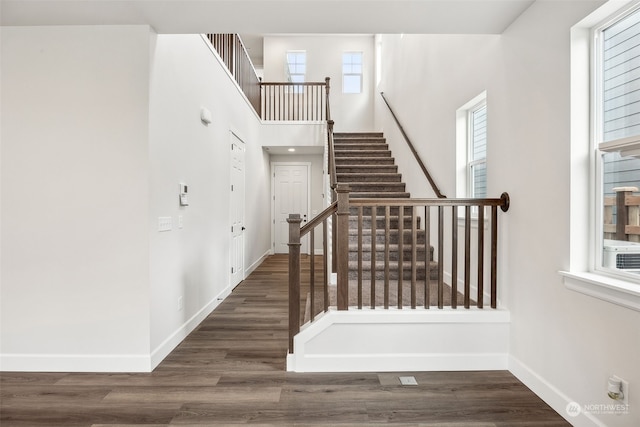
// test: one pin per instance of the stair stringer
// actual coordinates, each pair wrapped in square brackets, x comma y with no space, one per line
[403,340]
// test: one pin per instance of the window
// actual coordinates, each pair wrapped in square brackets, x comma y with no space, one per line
[604,135]
[352,72]
[477,155]
[617,145]
[296,66]
[471,148]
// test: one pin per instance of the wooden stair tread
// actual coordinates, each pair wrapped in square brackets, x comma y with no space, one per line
[379,195]
[360,161]
[364,162]
[362,153]
[355,146]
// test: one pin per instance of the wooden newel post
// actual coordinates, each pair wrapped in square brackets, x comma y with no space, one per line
[342,250]
[294,221]
[622,211]
[327,85]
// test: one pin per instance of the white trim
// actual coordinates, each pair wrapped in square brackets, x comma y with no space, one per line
[109,362]
[187,327]
[361,73]
[550,394]
[256,264]
[233,139]
[586,230]
[398,362]
[462,143]
[358,342]
[75,363]
[606,288]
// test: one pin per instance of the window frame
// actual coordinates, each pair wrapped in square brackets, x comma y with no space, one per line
[471,162]
[351,74]
[598,147]
[463,143]
[581,275]
[288,72]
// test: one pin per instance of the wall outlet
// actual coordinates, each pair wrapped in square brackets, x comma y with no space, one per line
[180,305]
[625,389]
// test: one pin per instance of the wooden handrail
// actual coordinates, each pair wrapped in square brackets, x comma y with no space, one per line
[331,155]
[295,235]
[233,53]
[422,283]
[502,202]
[333,180]
[319,219]
[293,84]
[435,188]
[288,101]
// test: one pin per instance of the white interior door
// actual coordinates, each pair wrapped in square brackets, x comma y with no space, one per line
[290,196]
[237,210]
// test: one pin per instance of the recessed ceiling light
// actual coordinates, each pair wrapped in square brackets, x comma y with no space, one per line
[292,149]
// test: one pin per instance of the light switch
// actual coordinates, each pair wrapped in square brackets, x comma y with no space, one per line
[165,223]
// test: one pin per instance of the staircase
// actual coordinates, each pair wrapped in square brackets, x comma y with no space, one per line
[364,161]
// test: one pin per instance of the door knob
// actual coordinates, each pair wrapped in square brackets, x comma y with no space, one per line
[243,228]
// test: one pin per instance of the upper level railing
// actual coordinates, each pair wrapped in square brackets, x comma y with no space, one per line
[235,57]
[435,188]
[272,101]
[294,101]
[379,280]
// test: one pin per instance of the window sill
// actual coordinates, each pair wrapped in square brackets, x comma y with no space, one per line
[606,288]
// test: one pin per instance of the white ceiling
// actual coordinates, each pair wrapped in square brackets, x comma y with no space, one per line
[275,16]
[301,150]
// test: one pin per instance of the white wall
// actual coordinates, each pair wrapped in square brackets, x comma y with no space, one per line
[418,72]
[351,112]
[564,345]
[193,263]
[75,178]
[100,125]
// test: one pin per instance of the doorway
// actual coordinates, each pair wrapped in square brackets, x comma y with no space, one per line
[237,210]
[290,195]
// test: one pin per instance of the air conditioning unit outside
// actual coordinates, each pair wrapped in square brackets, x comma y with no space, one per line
[621,255]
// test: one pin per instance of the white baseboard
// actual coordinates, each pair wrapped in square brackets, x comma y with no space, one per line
[551,395]
[75,363]
[108,362]
[256,264]
[384,341]
[398,362]
[187,327]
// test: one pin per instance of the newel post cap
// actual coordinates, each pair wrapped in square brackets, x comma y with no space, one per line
[342,188]
[294,218]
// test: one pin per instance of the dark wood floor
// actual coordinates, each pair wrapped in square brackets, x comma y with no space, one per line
[231,370]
